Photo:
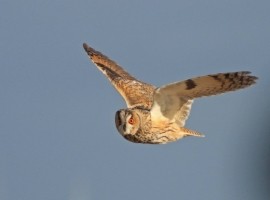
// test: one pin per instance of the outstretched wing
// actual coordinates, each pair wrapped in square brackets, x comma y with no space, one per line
[134,92]
[174,101]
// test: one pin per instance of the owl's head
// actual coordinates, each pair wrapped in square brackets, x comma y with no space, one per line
[127,122]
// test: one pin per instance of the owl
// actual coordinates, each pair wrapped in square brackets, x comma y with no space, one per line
[157,115]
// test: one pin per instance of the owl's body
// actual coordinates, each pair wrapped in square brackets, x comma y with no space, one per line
[157,115]
[149,131]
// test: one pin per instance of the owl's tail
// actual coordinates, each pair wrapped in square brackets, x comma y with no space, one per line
[188,132]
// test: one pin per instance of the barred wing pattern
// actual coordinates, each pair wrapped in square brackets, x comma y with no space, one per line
[174,101]
[135,93]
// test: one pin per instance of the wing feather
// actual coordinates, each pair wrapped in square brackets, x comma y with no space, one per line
[209,85]
[134,92]
[174,101]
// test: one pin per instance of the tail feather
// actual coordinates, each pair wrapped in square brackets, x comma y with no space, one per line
[188,132]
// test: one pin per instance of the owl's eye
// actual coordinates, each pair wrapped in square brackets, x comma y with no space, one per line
[131,120]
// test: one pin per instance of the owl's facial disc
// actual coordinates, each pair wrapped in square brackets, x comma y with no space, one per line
[126,122]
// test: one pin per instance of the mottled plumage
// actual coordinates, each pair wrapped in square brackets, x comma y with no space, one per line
[157,115]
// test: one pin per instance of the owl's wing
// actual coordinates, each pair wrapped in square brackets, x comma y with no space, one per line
[134,92]
[174,101]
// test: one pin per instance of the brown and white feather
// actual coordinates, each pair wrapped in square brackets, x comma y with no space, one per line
[158,115]
[134,92]
[173,101]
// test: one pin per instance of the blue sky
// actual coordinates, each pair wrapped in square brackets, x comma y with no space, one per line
[57,134]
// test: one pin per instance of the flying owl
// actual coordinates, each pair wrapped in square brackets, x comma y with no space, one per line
[157,115]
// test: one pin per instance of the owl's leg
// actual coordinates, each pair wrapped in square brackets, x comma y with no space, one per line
[188,132]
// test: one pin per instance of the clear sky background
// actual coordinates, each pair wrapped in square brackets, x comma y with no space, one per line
[58,140]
